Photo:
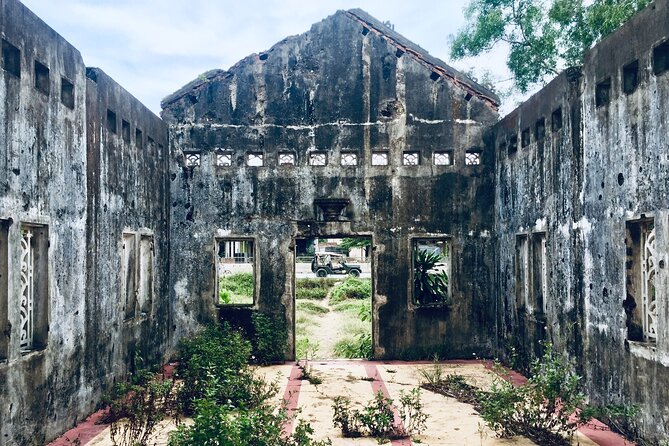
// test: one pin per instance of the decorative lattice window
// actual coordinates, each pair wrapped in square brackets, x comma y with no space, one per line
[224,159]
[255,159]
[642,262]
[318,159]
[193,159]
[286,159]
[380,159]
[349,159]
[411,158]
[442,158]
[472,158]
[34,299]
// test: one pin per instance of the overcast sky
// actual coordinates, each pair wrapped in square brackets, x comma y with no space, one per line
[154,47]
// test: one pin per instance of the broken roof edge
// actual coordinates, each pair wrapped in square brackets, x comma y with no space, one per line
[424,57]
[394,38]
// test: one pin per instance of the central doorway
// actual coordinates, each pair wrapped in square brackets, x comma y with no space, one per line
[333,298]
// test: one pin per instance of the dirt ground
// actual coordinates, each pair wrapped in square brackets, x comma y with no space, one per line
[450,422]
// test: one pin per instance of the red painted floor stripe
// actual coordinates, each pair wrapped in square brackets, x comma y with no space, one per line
[379,386]
[84,431]
[291,396]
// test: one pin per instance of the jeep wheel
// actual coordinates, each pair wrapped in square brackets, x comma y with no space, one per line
[321,273]
[354,273]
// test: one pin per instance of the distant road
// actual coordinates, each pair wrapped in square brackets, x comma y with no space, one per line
[303,271]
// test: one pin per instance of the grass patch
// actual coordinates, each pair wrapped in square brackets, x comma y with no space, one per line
[236,289]
[315,289]
[311,308]
[351,288]
[350,306]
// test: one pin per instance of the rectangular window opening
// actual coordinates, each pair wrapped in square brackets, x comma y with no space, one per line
[540,129]
[522,272]
[129,272]
[513,144]
[125,130]
[380,158]
[630,77]
[538,298]
[603,93]
[146,268]
[349,159]
[34,276]
[640,302]
[286,159]
[111,121]
[193,159]
[4,289]
[67,93]
[139,138]
[224,159]
[255,159]
[236,271]
[473,157]
[443,158]
[661,58]
[431,270]
[318,159]
[42,78]
[556,120]
[411,158]
[11,58]
[525,137]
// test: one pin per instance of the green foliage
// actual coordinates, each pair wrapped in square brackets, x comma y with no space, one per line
[430,286]
[269,341]
[539,410]
[220,424]
[376,419]
[313,288]
[620,418]
[348,243]
[543,37]
[214,363]
[236,288]
[135,410]
[351,288]
[361,345]
[306,349]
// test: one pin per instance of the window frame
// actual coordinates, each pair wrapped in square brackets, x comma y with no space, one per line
[412,240]
[217,275]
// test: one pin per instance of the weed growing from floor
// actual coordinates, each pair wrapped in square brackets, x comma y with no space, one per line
[377,418]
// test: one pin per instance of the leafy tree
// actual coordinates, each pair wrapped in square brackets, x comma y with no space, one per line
[543,36]
[348,243]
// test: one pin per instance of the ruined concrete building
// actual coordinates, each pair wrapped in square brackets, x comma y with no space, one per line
[556,218]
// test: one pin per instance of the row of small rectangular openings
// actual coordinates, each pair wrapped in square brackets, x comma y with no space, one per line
[539,133]
[630,75]
[11,63]
[126,132]
[379,158]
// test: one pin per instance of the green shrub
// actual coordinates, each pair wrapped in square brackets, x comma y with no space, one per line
[236,288]
[539,410]
[322,283]
[269,342]
[311,293]
[376,419]
[351,288]
[216,424]
[215,361]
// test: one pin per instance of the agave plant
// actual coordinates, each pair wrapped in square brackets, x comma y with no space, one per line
[430,285]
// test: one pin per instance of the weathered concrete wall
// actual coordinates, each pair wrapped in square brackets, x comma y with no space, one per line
[43,182]
[128,201]
[348,85]
[603,172]
[78,188]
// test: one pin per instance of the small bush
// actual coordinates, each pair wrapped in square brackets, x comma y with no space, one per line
[322,283]
[311,293]
[270,337]
[215,362]
[377,417]
[351,288]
